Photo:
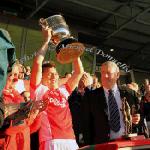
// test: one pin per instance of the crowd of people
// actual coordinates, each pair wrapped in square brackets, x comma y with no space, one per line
[79,109]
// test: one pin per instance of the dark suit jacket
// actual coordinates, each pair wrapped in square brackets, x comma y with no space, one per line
[75,108]
[94,115]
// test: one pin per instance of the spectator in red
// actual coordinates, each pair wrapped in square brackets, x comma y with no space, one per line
[17,135]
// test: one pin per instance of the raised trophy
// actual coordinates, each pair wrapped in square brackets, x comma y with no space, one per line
[67,47]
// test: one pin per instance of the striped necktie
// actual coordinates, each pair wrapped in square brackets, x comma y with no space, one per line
[114,112]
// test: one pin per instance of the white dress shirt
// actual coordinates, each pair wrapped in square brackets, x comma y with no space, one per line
[115,135]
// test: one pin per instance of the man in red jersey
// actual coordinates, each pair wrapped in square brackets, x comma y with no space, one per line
[56,131]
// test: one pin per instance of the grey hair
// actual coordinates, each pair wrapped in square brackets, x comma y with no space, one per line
[112,64]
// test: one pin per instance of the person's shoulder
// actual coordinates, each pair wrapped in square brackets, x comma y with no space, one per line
[126,91]
[5,34]
[39,88]
[96,91]
[100,89]
[64,87]
[43,87]
[65,90]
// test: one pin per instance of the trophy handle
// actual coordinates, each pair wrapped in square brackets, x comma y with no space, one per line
[127,116]
[43,23]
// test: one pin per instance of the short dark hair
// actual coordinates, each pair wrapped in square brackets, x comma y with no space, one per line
[48,64]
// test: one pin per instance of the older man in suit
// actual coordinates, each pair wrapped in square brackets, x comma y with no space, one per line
[102,115]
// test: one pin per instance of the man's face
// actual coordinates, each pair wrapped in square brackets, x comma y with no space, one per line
[50,77]
[95,80]
[109,76]
[26,96]
[28,69]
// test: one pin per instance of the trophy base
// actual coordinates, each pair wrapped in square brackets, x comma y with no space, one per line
[130,136]
[68,50]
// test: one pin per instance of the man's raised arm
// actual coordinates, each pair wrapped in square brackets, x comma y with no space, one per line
[36,74]
[77,74]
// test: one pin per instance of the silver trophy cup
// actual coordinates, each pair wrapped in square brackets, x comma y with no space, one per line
[67,47]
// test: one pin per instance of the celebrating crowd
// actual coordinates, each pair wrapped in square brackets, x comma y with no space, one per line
[78,109]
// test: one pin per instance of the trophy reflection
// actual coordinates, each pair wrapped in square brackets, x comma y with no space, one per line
[67,47]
